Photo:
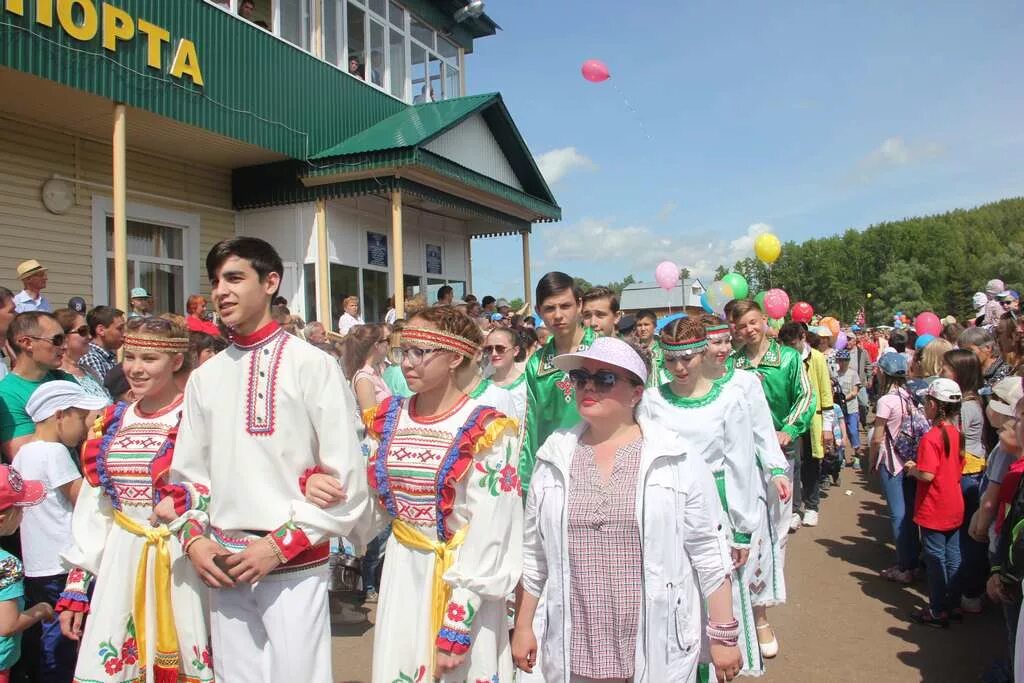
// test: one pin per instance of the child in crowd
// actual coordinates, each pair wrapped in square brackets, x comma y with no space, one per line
[850,385]
[60,411]
[15,494]
[939,506]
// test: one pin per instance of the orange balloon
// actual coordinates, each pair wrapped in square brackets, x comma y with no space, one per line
[832,324]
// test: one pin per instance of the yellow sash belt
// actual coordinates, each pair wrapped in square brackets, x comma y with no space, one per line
[166,633]
[441,592]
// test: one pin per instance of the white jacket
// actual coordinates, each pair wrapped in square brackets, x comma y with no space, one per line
[682,544]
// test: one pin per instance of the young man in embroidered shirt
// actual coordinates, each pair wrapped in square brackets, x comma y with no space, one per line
[259,419]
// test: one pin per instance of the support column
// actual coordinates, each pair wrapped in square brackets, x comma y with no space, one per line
[323,268]
[527,276]
[120,216]
[397,259]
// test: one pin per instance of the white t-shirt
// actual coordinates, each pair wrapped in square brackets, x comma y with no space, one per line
[46,528]
[347,321]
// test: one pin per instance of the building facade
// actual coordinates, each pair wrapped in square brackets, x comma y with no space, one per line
[683,298]
[138,133]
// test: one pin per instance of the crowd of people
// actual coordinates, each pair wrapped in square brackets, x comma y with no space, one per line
[595,497]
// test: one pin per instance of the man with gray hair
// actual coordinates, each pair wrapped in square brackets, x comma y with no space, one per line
[980,342]
[315,333]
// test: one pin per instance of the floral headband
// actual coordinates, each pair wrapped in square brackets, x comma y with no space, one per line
[436,339]
[149,342]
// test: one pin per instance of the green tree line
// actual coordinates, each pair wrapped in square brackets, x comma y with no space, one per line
[917,264]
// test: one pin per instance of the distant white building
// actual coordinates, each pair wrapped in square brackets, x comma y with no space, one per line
[685,296]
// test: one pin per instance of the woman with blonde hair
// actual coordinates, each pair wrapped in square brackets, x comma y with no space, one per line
[364,349]
[930,361]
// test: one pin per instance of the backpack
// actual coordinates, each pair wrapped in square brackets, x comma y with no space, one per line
[913,426]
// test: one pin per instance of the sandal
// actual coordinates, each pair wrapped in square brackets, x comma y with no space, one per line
[770,649]
[925,617]
[898,576]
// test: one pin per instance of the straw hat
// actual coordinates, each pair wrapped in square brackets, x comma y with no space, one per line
[29,268]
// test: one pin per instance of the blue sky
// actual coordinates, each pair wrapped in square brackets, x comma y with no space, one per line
[802,118]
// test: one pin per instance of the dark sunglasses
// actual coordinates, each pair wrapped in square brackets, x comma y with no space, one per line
[82,331]
[603,380]
[56,340]
[497,348]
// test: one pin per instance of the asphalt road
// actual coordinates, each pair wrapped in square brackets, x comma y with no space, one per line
[842,621]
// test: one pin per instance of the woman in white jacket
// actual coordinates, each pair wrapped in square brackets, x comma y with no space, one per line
[623,532]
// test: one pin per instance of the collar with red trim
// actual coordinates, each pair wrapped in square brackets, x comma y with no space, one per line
[246,341]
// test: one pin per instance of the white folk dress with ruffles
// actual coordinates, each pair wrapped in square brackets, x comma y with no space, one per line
[440,476]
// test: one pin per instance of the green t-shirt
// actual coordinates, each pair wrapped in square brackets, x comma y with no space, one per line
[14,394]
[395,381]
[12,587]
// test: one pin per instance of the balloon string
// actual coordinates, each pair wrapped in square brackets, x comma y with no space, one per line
[631,109]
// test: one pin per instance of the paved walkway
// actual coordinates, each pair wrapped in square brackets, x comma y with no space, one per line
[842,622]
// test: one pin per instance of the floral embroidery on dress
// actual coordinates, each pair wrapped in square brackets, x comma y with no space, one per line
[202,659]
[416,676]
[115,658]
[498,480]
[492,679]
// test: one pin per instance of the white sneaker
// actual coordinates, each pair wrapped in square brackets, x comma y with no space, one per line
[810,518]
[794,522]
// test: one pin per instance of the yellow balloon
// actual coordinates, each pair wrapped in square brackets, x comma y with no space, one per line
[869,295]
[767,248]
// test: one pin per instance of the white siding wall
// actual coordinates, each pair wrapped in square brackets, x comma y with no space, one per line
[30,155]
[472,144]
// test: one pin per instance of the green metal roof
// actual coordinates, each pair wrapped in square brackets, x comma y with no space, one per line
[399,140]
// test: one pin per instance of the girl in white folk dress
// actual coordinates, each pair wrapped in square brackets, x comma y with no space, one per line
[445,471]
[147,618]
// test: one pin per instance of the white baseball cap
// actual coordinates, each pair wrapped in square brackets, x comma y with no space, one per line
[60,395]
[945,390]
[1005,395]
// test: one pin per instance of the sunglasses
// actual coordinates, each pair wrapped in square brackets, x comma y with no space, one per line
[56,340]
[603,380]
[684,356]
[497,348]
[82,331]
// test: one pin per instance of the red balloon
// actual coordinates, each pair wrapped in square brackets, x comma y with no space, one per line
[927,323]
[595,71]
[802,312]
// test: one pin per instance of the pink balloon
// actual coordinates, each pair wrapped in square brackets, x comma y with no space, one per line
[667,275]
[927,323]
[776,303]
[595,71]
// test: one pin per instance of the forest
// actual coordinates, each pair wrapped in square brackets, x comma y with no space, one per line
[917,264]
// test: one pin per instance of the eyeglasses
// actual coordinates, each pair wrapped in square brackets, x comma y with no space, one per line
[683,356]
[497,348]
[603,380]
[82,331]
[56,340]
[415,355]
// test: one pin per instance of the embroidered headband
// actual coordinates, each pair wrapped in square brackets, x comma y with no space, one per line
[151,342]
[717,329]
[695,344]
[437,339]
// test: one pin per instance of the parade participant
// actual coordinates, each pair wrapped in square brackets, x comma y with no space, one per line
[791,403]
[141,624]
[462,537]
[471,381]
[260,417]
[601,311]
[550,402]
[646,323]
[502,347]
[713,419]
[603,565]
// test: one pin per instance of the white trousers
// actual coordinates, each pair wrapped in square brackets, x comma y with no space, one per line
[277,630]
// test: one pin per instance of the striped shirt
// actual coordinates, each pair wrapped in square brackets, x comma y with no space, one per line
[604,564]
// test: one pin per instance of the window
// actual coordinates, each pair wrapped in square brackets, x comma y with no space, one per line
[413,285]
[294,21]
[420,91]
[397,60]
[344,283]
[436,92]
[380,7]
[156,262]
[397,16]
[309,293]
[334,34]
[356,42]
[421,32]
[375,294]
[452,84]
[376,63]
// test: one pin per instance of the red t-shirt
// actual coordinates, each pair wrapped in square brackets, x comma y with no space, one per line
[940,502]
[872,349]
[198,325]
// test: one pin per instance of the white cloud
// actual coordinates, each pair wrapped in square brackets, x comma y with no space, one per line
[895,152]
[637,249]
[557,163]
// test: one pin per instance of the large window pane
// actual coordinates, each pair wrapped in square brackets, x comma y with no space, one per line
[452,86]
[356,41]
[412,285]
[344,282]
[419,75]
[145,239]
[166,284]
[377,53]
[396,15]
[435,79]
[379,6]
[397,57]
[421,32]
[295,22]
[448,49]
[334,37]
[375,295]
[309,293]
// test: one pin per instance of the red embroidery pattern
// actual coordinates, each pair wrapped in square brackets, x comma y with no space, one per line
[261,402]
[565,384]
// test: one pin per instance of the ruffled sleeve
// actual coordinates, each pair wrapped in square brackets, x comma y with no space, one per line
[489,561]
[93,448]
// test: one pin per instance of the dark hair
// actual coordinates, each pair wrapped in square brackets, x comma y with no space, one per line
[444,292]
[646,313]
[1008,339]
[898,341]
[727,309]
[470,298]
[5,296]
[595,293]
[740,307]
[554,283]
[115,382]
[527,340]
[202,341]
[487,300]
[791,331]
[263,258]
[102,315]
[966,371]
[357,345]
[25,325]
[514,337]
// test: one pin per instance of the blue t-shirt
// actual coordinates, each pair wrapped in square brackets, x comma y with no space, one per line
[12,587]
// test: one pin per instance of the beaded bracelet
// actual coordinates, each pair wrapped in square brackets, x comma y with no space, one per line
[727,633]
